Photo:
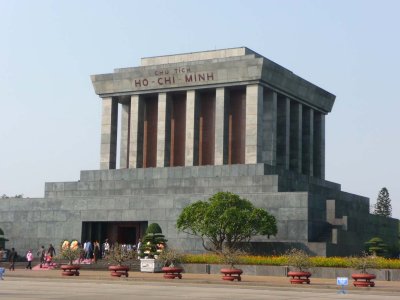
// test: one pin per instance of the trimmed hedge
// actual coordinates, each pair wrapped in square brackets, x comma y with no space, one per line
[318,261]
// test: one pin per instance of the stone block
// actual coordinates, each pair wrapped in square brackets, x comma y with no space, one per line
[114,215]
[129,215]
[297,230]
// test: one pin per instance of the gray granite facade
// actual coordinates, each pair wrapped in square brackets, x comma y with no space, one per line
[280,165]
[311,213]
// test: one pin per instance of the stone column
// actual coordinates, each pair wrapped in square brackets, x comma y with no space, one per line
[124,148]
[190,120]
[220,136]
[161,129]
[109,128]
[319,145]
[283,139]
[254,117]
[269,129]
[308,140]
[296,136]
[133,131]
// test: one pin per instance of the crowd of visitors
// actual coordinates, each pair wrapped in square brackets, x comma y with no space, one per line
[90,252]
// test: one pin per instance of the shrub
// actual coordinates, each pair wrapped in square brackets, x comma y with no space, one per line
[364,262]
[376,246]
[298,259]
[118,255]
[69,251]
[170,257]
[153,241]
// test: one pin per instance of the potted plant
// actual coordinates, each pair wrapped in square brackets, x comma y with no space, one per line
[170,258]
[362,263]
[230,257]
[117,255]
[153,244]
[301,261]
[69,251]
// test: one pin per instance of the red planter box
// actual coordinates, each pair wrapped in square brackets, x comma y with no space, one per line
[70,270]
[232,274]
[363,279]
[118,271]
[299,277]
[172,272]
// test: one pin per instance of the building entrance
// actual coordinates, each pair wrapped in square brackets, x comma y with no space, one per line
[115,232]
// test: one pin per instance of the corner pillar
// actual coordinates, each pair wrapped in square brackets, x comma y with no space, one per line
[109,128]
[308,141]
[124,148]
[319,145]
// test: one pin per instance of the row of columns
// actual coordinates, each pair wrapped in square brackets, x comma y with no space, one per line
[266,126]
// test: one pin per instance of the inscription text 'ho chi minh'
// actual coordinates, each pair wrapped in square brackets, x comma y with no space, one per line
[175,76]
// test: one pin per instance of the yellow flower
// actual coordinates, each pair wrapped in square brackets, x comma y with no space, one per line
[65,245]
[74,245]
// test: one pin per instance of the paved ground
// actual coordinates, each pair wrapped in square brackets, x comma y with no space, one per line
[26,284]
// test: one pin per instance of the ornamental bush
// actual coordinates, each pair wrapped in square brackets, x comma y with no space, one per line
[153,241]
[69,250]
[225,220]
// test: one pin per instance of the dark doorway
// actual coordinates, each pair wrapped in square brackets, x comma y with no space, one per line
[126,235]
[120,232]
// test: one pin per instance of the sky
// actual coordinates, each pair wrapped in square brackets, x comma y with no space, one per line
[50,115]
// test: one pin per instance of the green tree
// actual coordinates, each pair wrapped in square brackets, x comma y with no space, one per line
[4,196]
[376,246]
[383,206]
[225,219]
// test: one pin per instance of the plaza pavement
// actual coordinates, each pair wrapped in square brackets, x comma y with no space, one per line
[95,284]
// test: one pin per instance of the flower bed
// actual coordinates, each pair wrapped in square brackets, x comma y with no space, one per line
[318,261]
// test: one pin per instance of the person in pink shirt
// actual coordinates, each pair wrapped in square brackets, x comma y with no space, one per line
[29,258]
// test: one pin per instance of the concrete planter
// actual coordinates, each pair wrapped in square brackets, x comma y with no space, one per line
[150,265]
[231,274]
[172,272]
[118,271]
[363,279]
[317,272]
[299,277]
[70,270]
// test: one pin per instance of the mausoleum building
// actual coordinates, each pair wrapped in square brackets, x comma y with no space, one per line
[192,125]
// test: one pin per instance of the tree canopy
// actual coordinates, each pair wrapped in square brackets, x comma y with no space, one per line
[383,206]
[225,219]
[376,246]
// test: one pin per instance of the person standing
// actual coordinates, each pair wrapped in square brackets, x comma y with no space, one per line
[139,245]
[106,248]
[29,258]
[88,250]
[96,251]
[42,254]
[12,258]
[1,254]
[2,270]
[51,251]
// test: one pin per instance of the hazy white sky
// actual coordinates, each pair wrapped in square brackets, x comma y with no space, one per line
[50,115]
